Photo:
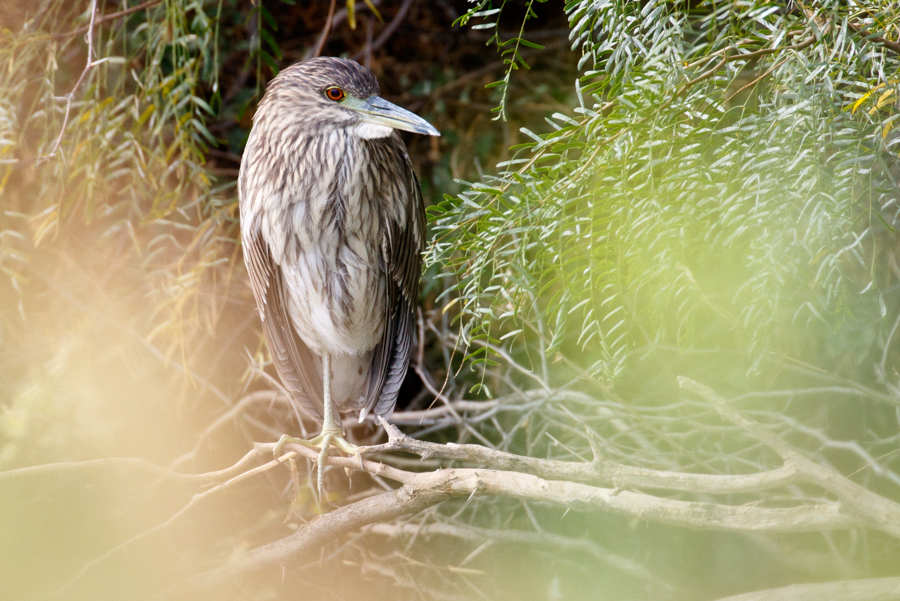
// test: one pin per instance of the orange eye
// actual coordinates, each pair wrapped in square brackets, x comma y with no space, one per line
[335,94]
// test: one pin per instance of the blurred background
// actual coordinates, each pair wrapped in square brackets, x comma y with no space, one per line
[618,197]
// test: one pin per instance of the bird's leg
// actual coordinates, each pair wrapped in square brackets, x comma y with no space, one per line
[331,432]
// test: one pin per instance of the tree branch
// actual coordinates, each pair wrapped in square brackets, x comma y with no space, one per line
[599,485]
[426,489]
[874,589]
[532,539]
[600,471]
[879,512]
[110,17]
[89,64]
[868,35]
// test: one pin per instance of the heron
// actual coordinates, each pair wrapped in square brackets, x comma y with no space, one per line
[332,228]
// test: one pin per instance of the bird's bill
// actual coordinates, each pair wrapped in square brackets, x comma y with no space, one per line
[378,111]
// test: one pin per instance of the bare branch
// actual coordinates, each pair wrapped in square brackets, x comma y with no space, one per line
[111,17]
[134,464]
[90,64]
[388,31]
[874,589]
[317,51]
[128,545]
[878,511]
[429,488]
[568,485]
[227,417]
[862,31]
[534,539]
[598,471]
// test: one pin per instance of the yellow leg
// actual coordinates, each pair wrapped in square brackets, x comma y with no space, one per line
[331,434]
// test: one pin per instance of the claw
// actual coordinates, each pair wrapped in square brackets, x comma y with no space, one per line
[324,441]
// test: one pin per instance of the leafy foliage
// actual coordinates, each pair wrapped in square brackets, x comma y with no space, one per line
[509,49]
[728,179]
[110,207]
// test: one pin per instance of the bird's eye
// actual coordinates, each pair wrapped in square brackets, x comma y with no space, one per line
[334,93]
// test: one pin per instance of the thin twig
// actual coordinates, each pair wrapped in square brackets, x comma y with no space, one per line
[89,64]
[197,499]
[530,539]
[110,17]
[860,30]
[325,30]
[227,417]
[757,80]
[756,53]
[387,33]
[448,405]
[367,49]
[879,512]
[881,371]
[873,589]
[78,467]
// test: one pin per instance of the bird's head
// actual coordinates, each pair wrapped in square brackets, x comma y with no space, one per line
[325,94]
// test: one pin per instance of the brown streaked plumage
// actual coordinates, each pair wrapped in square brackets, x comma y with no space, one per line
[332,224]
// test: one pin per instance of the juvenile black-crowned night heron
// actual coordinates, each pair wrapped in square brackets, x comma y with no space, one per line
[332,225]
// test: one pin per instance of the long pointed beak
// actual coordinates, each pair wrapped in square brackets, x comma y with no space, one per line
[378,111]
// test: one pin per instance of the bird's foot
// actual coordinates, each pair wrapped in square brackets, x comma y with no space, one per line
[324,441]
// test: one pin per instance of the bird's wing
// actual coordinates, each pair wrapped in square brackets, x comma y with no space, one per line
[293,359]
[402,263]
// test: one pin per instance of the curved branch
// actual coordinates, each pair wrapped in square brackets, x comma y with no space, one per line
[531,539]
[226,418]
[423,490]
[600,471]
[874,37]
[879,512]
[388,31]
[130,463]
[110,17]
[90,64]
[873,589]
